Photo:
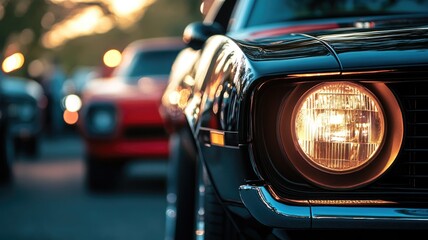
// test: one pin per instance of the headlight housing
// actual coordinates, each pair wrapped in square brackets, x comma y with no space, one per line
[339,134]
[101,120]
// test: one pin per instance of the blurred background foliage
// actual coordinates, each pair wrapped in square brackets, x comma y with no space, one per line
[25,25]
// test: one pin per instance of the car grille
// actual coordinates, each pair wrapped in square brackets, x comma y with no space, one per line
[410,172]
[145,132]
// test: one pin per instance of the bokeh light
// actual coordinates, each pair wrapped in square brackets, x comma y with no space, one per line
[70,117]
[72,103]
[112,58]
[98,17]
[36,68]
[13,62]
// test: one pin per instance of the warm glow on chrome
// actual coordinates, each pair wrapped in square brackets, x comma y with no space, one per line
[112,58]
[217,138]
[13,62]
[184,97]
[173,97]
[314,74]
[338,126]
[190,81]
[350,202]
[179,98]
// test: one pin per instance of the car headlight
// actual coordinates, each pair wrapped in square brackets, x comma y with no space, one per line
[340,135]
[101,120]
[338,127]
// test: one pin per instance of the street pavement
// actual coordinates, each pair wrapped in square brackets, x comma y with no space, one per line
[47,199]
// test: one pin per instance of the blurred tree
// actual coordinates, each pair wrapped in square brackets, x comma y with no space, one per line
[23,23]
[20,26]
[163,18]
[168,18]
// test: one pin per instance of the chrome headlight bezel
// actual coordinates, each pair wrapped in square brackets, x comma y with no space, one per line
[378,163]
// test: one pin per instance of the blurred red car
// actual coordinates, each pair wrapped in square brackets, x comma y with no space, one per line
[120,119]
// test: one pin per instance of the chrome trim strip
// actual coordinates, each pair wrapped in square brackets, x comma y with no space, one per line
[369,217]
[268,211]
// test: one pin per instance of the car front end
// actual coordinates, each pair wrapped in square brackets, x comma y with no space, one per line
[316,133]
[125,129]
[25,104]
[300,121]
[120,123]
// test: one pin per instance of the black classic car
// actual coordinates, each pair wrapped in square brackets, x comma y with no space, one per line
[25,104]
[291,118]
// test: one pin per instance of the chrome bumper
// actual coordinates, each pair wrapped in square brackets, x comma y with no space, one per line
[270,212]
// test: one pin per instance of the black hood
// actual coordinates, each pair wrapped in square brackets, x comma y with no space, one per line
[340,49]
[378,48]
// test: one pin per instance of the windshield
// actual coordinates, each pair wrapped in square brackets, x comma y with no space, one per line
[148,64]
[272,11]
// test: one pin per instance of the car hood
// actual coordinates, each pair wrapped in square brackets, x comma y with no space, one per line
[370,49]
[339,49]
[146,88]
[21,87]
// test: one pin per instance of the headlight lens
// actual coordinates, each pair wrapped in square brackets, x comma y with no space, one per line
[338,127]
[102,120]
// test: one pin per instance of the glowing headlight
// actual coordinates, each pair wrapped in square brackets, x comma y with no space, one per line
[338,127]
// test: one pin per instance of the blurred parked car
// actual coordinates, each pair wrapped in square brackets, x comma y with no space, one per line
[24,105]
[120,119]
[296,117]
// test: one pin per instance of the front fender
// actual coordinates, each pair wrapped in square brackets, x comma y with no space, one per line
[219,111]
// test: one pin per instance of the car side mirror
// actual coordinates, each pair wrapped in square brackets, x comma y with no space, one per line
[195,34]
